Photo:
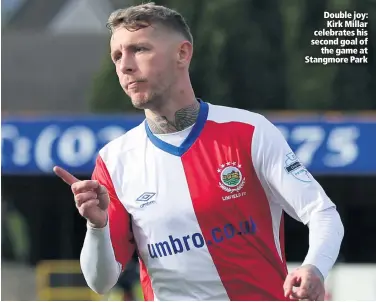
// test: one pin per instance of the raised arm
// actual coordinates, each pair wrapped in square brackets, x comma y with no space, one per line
[108,244]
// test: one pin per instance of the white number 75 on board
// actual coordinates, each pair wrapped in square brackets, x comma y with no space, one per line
[341,144]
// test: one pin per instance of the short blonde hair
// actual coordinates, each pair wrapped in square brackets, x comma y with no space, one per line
[140,16]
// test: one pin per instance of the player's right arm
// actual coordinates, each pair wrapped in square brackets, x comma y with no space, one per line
[108,242]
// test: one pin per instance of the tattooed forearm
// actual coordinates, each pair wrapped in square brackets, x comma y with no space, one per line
[183,118]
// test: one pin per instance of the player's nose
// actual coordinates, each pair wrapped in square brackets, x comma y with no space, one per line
[127,65]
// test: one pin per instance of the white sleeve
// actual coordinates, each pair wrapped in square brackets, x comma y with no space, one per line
[325,237]
[289,184]
[98,263]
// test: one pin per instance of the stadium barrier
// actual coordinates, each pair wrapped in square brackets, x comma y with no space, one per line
[60,280]
[63,280]
[32,146]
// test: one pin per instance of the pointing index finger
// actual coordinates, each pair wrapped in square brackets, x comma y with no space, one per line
[65,175]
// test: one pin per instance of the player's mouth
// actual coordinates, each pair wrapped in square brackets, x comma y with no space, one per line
[134,84]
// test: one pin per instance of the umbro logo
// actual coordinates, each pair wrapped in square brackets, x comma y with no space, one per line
[145,196]
[145,199]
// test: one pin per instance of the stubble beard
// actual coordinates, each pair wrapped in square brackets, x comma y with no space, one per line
[149,101]
[153,100]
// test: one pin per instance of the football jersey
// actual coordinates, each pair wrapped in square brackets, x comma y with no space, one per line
[206,217]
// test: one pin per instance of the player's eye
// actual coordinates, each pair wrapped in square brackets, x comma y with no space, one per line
[140,49]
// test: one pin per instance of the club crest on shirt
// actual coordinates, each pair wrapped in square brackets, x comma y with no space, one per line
[295,168]
[231,179]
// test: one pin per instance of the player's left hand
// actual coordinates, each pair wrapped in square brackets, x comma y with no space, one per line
[305,283]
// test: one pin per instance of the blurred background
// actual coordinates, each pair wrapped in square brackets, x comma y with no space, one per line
[61,102]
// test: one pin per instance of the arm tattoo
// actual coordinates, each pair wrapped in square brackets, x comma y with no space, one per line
[183,118]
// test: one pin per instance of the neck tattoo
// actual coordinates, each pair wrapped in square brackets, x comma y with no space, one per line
[183,119]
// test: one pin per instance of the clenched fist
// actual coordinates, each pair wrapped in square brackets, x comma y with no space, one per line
[91,198]
[309,284]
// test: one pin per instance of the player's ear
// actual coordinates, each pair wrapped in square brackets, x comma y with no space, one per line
[184,55]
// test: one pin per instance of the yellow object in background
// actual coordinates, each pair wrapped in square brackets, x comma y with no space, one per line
[59,280]
[63,280]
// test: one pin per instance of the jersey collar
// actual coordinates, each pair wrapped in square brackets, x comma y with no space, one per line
[191,138]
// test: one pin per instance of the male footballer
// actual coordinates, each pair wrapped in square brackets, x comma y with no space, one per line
[197,190]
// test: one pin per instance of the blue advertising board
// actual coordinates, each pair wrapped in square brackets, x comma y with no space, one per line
[31,146]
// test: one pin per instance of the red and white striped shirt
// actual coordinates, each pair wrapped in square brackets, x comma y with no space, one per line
[207,214]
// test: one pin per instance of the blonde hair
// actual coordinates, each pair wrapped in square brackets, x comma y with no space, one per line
[140,16]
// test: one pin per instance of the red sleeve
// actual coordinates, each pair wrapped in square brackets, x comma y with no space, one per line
[118,217]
